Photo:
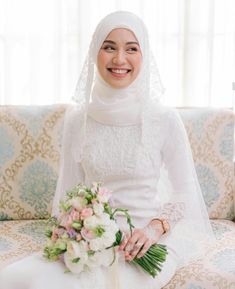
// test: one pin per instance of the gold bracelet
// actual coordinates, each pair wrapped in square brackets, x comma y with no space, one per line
[164,223]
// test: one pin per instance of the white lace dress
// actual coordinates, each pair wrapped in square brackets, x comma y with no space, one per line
[110,157]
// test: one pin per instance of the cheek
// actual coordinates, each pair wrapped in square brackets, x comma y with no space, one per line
[137,64]
[101,61]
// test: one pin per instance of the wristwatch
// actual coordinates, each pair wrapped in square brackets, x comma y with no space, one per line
[165,225]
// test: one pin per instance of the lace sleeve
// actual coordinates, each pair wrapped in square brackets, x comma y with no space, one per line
[70,172]
[184,206]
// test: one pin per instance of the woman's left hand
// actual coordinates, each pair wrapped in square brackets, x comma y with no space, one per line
[137,244]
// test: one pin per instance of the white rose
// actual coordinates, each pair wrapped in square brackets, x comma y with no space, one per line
[91,222]
[98,209]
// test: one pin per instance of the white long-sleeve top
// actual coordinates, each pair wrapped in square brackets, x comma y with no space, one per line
[115,156]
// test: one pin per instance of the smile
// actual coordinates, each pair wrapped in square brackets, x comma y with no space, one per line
[119,72]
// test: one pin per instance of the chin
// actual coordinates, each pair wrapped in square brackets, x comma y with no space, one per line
[119,84]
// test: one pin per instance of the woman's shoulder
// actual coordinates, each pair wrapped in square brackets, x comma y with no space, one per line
[73,115]
[163,113]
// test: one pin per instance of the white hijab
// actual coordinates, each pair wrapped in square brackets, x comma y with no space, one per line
[121,107]
[112,106]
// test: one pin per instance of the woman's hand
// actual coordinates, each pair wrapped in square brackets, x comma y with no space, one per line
[137,244]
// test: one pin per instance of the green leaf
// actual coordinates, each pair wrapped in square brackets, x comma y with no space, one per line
[48,233]
[99,230]
[76,260]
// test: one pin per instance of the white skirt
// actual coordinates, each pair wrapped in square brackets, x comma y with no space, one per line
[34,272]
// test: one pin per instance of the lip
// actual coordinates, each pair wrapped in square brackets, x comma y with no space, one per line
[118,74]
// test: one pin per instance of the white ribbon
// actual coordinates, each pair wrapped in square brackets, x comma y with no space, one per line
[115,271]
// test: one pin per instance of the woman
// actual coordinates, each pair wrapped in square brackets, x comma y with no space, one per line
[121,135]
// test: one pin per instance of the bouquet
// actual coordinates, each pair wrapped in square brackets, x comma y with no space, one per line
[85,234]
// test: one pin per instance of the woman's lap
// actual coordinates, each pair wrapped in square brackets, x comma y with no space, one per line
[34,272]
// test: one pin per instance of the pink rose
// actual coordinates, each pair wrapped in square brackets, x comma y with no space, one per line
[86,212]
[78,237]
[67,222]
[75,215]
[87,234]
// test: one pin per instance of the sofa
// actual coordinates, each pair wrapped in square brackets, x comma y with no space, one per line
[30,143]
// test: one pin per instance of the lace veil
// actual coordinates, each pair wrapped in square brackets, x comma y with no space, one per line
[183,205]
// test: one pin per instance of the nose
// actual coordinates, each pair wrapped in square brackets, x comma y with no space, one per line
[119,57]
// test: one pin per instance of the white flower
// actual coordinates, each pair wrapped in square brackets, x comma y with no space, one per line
[105,219]
[91,222]
[95,260]
[113,227]
[77,250]
[77,203]
[108,238]
[75,268]
[98,209]
[103,195]
[97,244]
[107,257]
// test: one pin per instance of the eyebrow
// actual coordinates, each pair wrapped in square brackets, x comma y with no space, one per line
[127,43]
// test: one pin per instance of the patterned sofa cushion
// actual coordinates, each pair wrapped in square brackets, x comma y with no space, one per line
[217,270]
[30,138]
[20,238]
[211,133]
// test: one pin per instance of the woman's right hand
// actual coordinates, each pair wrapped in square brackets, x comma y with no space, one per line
[137,244]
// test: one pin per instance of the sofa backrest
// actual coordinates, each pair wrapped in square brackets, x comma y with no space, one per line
[30,141]
[30,138]
[211,135]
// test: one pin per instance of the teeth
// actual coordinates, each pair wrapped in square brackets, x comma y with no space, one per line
[120,71]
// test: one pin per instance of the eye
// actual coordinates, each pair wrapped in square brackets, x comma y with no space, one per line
[132,49]
[108,48]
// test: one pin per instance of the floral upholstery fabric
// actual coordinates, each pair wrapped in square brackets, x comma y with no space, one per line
[30,138]
[20,238]
[217,270]
[211,133]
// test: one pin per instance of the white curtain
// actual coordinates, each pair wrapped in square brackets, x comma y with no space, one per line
[43,44]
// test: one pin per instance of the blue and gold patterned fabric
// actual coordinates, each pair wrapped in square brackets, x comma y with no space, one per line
[30,142]
[217,269]
[30,138]
[211,135]
[20,238]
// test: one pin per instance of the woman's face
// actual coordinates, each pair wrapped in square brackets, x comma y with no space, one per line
[119,58]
